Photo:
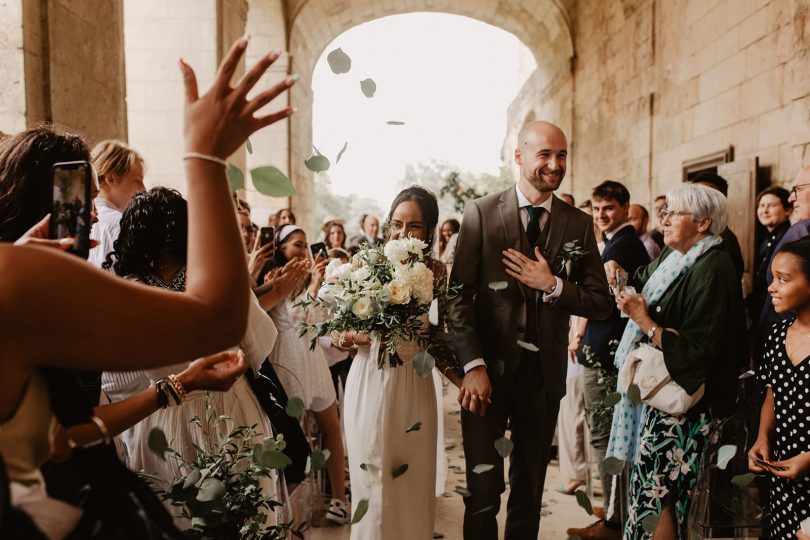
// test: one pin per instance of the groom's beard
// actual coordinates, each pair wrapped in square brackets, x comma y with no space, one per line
[547,180]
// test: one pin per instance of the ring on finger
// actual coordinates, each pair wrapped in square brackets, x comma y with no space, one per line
[519,269]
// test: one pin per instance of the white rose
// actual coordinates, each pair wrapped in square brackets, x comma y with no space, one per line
[415,246]
[338,272]
[327,293]
[361,274]
[399,292]
[396,251]
[362,307]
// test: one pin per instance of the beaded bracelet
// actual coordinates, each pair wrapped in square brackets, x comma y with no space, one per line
[205,157]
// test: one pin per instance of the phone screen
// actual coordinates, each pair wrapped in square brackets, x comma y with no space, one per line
[70,208]
[266,236]
[318,247]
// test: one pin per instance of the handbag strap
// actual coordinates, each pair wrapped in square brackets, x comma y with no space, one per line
[657,388]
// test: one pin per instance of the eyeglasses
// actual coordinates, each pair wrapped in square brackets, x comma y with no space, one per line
[666,212]
[794,191]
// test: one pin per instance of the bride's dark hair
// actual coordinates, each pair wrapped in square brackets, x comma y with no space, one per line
[427,204]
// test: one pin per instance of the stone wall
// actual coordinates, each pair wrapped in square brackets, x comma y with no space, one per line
[12,65]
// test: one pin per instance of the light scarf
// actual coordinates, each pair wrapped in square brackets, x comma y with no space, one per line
[628,419]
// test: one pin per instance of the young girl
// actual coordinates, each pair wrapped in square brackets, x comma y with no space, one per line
[784,429]
[304,373]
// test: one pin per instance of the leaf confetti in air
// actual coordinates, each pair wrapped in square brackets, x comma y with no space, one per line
[433,312]
[584,501]
[360,511]
[158,443]
[613,466]
[482,468]
[423,363]
[272,182]
[248,146]
[396,472]
[416,427]
[295,407]
[504,447]
[395,123]
[531,347]
[725,454]
[317,163]
[634,394]
[368,87]
[339,62]
[498,285]
[742,480]
[236,178]
[340,154]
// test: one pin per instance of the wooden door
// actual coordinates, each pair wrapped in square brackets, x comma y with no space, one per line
[741,176]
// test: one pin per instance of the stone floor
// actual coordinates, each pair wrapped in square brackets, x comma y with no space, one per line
[560,511]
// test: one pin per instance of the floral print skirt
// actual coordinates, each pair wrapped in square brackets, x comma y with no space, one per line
[670,452]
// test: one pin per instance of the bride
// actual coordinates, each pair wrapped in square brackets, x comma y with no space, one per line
[390,413]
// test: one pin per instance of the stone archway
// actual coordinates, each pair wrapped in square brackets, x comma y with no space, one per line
[542,25]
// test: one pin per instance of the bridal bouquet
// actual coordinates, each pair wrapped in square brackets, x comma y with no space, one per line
[386,290]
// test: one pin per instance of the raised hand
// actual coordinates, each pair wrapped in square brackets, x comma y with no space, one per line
[535,274]
[38,236]
[258,257]
[219,121]
[216,372]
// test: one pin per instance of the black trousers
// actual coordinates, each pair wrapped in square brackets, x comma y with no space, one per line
[521,402]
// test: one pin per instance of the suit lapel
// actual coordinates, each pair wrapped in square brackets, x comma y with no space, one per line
[512,228]
[558,221]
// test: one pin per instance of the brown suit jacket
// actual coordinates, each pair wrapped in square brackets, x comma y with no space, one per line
[488,323]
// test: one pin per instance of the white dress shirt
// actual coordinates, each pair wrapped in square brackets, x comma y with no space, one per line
[523,202]
[105,231]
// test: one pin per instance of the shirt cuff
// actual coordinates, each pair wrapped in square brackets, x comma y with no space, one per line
[474,364]
[548,297]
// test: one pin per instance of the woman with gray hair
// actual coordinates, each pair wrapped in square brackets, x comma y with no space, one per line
[690,308]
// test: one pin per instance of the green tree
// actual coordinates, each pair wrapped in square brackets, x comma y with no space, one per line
[348,207]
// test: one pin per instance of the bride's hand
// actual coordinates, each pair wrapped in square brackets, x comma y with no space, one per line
[219,122]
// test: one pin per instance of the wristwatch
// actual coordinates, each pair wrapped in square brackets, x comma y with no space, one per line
[651,332]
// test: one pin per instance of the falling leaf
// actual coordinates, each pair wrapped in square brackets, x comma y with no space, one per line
[482,468]
[433,312]
[498,285]
[368,87]
[416,427]
[724,455]
[612,399]
[193,477]
[584,501]
[484,509]
[395,123]
[340,154]
[742,480]
[317,163]
[528,346]
[504,447]
[649,523]
[360,511]
[272,182]
[423,363]
[158,443]
[364,467]
[500,367]
[236,178]
[399,471]
[634,394]
[270,458]
[613,466]
[339,61]
[437,535]
[317,460]
[248,146]
[295,407]
[464,492]
[211,489]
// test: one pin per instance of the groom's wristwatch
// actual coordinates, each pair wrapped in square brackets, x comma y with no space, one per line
[651,332]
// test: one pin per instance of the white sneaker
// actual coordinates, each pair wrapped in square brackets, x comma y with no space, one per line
[339,512]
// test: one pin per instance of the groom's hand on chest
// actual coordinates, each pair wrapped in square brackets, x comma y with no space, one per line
[536,274]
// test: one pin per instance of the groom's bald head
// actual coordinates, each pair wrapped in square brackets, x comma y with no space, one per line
[541,153]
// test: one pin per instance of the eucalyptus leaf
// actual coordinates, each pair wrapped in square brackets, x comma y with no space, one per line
[270,458]
[584,501]
[364,467]
[433,312]
[498,285]
[482,468]
[423,363]
[360,511]
[339,62]
[317,460]
[192,478]
[158,443]
[724,455]
[368,87]
[634,394]
[531,347]
[248,146]
[212,489]
[416,427]
[236,178]
[504,447]
[295,407]
[317,163]
[613,466]
[649,523]
[612,399]
[395,123]
[340,154]
[464,492]
[743,480]
[272,182]
[399,471]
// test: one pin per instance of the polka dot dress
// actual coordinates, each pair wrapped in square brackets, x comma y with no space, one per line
[790,500]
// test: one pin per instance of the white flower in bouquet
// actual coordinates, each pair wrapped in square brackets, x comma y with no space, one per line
[399,251]
[337,271]
[363,307]
[399,292]
[327,293]
[361,274]
[420,280]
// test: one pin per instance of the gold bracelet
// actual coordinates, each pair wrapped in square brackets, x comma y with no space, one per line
[181,391]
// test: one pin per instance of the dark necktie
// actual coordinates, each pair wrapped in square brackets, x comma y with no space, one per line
[533,226]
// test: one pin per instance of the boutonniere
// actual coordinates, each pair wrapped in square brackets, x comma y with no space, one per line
[570,253]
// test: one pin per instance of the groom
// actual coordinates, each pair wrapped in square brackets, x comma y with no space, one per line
[519,288]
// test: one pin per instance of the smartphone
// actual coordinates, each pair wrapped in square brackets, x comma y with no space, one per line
[318,247]
[621,280]
[266,235]
[767,465]
[71,203]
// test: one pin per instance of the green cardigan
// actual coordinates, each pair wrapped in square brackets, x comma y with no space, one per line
[705,306]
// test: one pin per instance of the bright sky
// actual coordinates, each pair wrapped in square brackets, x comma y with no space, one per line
[449,78]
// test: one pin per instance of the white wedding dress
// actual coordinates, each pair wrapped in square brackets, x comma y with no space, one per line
[380,405]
